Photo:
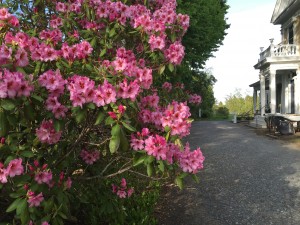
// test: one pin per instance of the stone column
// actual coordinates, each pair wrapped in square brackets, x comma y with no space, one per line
[254,100]
[262,94]
[272,87]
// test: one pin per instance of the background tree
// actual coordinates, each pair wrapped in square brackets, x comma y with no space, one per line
[206,33]
[239,103]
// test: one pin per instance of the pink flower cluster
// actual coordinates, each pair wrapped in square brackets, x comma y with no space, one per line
[5,16]
[14,84]
[175,53]
[176,117]
[76,51]
[47,134]
[55,84]
[122,191]
[154,23]
[195,99]
[89,157]
[167,86]
[157,146]
[191,161]
[42,175]
[14,168]
[33,199]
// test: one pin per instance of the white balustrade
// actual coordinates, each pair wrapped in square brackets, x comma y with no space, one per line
[279,51]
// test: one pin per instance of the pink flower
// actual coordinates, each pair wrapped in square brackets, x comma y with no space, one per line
[21,58]
[195,99]
[34,200]
[69,183]
[45,223]
[47,134]
[191,162]
[175,53]
[156,146]
[4,14]
[167,86]
[156,42]
[15,167]
[43,177]
[123,183]
[121,193]
[89,157]
[119,64]
[3,175]
[113,115]
[136,144]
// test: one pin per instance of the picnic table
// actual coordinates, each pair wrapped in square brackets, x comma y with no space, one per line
[283,123]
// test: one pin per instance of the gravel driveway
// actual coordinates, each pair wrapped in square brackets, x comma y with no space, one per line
[248,179]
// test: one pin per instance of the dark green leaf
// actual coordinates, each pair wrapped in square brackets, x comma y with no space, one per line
[115,131]
[114,144]
[21,206]
[179,182]
[27,154]
[8,104]
[171,67]
[129,127]
[99,118]
[161,166]
[140,160]
[149,170]
[14,205]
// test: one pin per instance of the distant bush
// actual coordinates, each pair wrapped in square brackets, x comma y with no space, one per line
[222,112]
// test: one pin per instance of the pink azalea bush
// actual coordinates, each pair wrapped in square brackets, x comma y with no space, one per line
[79,104]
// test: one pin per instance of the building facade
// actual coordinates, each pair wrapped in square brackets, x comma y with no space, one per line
[278,88]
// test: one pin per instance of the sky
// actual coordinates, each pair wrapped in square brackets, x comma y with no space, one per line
[250,29]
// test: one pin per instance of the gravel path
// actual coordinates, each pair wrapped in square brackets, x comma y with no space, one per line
[248,179]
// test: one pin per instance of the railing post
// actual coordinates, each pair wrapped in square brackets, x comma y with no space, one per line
[271,47]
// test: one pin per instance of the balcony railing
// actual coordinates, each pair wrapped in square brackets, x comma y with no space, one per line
[279,51]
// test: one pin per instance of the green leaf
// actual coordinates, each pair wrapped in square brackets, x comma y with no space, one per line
[103,52]
[124,144]
[91,105]
[21,207]
[14,205]
[109,121]
[115,131]
[149,170]
[161,69]
[112,32]
[129,127]
[27,154]
[99,118]
[25,216]
[48,205]
[58,125]
[114,144]
[80,115]
[93,42]
[139,160]
[179,182]
[8,104]
[38,98]
[195,178]
[171,67]
[161,166]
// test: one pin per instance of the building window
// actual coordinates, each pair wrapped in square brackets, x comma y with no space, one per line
[291,34]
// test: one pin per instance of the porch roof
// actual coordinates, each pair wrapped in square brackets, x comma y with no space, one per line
[256,84]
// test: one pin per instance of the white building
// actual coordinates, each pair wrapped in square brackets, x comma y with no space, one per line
[278,88]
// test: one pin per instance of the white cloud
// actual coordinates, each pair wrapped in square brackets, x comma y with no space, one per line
[233,64]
